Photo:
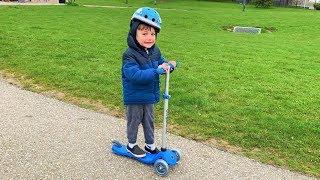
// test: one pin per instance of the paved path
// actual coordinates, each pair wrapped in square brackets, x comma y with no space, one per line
[28,4]
[43,138]
[86,5]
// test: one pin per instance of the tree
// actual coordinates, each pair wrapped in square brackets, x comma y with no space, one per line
[263,3]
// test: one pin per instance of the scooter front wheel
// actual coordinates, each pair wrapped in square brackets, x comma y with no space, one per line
[161,167]
[177,153]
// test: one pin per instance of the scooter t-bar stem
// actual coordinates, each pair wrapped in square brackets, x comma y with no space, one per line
[166,97]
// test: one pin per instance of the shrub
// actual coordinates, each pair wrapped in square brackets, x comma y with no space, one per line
[316,6]
[71,3]
[262,3]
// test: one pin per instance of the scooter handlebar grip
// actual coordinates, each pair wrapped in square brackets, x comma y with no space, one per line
[171,66]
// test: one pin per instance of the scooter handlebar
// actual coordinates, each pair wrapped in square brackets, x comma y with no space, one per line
[160,70]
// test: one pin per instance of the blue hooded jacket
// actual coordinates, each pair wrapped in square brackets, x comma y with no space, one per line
[140,80]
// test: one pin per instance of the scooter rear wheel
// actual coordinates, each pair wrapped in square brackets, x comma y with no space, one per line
[161,167]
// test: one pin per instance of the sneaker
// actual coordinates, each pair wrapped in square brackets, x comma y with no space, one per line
[155,151]
[136,151]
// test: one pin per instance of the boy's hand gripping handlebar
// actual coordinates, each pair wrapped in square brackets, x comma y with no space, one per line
[161,70]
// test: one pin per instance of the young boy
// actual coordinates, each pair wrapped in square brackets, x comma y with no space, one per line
[142,63]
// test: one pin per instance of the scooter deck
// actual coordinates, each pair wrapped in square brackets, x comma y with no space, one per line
[121,150]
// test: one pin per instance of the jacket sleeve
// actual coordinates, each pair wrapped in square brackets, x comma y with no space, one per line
[162,60]
[132,71]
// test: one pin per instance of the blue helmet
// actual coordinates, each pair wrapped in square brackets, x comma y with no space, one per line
[149,16]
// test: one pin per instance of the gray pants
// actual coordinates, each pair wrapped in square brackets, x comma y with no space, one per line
[136,114]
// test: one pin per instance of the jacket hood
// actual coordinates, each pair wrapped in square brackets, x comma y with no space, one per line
[131,39]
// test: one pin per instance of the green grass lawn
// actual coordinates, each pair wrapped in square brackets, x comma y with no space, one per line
[256,93]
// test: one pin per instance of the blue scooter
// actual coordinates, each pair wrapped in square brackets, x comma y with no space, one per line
[166,157]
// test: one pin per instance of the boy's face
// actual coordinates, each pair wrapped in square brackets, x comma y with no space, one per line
[146,37]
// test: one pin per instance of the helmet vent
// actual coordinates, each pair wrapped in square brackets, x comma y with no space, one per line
[153,19]
[145,16]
